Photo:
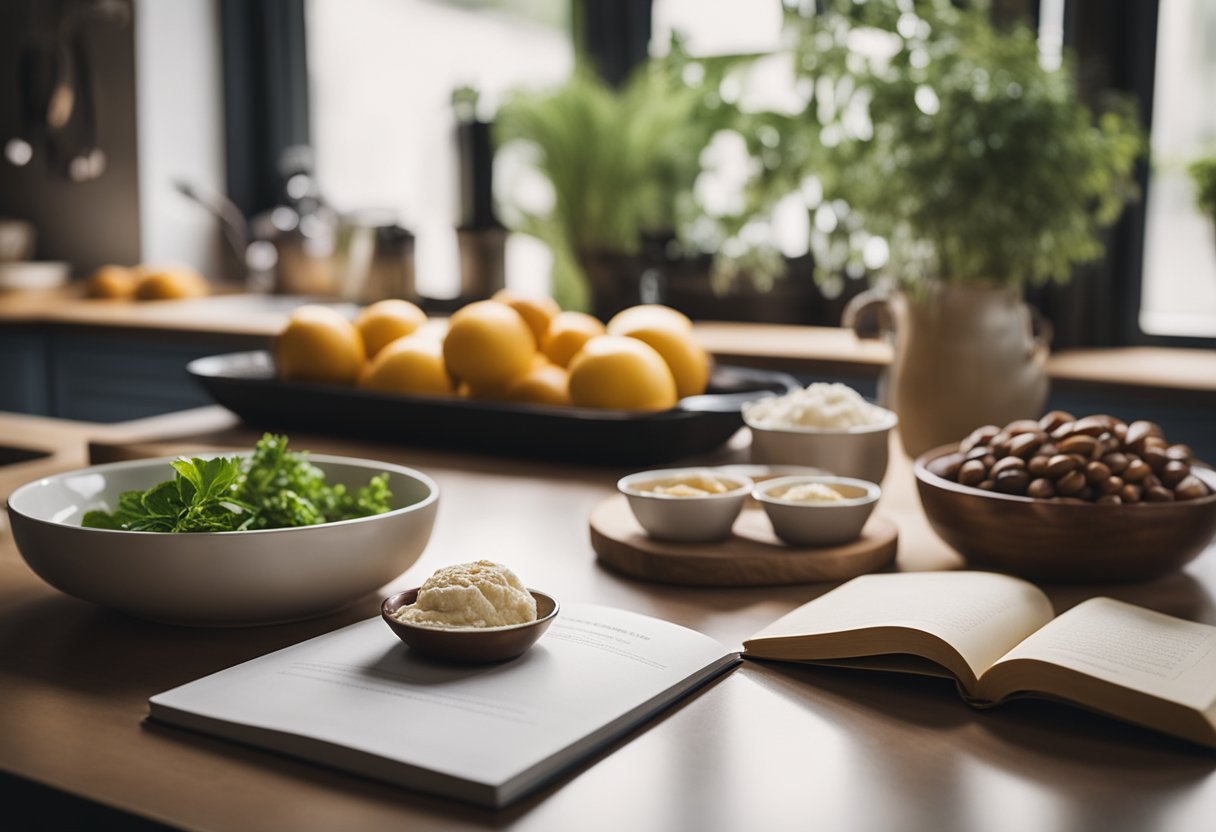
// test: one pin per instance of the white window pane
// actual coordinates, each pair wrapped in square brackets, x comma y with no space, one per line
[1179,294]
[382,73]
[717,27]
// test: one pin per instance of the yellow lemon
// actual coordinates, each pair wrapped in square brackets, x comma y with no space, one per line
[320,345]
[688,362]
[623,373]
[496,392]
[413,364]
[536,312]
[488,344]
[567,333]
[386,321]
[648,316]
[169,284]
[545,383]
[115,282]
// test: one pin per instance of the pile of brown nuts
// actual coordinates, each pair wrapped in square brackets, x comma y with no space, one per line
[1097,459]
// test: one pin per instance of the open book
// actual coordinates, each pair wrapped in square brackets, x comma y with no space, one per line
[359,700]
[997,637]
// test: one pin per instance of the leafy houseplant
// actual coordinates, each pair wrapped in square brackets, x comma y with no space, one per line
[980,170]
[1203,174]
[619,165]
[623,166]
[952,140]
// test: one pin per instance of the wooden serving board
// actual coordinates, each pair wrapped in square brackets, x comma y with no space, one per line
[752,556]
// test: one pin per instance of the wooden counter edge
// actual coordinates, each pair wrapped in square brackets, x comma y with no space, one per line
[805,350]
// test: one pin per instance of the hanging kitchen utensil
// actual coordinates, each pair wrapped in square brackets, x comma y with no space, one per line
[56,93]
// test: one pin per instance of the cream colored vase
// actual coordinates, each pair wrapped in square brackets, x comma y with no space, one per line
[965,355]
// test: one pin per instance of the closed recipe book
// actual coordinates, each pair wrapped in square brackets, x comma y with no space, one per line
[359,700]
[998,638]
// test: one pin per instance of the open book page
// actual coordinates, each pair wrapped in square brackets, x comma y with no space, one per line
[1125,645]
[360,689]
[980,615]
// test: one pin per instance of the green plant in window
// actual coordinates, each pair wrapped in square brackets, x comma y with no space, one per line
[1203,174]
[950,139]
[621,164]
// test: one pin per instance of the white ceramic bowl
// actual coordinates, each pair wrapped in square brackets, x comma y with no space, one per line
[685,519]
[223,578]
[859,452]
[34,275]
[801,523]
[16,240]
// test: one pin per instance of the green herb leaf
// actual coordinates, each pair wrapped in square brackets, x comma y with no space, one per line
[274,488]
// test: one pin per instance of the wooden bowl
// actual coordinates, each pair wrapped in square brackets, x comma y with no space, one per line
[1049,541]
[471,645]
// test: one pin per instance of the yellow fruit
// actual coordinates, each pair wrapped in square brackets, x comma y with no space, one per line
[169,284]
[536,312]
[413,364]
[689,364]
[484,392]
[648,316]
[623,373]
[115,282]
[319,345]
[488,344]
[386,321]
[545,383]
[567,334]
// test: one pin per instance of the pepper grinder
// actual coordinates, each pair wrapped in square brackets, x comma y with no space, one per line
[481,237]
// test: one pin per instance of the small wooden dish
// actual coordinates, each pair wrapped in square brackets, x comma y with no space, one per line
[474,644]
[1049,541]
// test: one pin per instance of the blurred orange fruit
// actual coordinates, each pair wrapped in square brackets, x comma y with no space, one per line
[488,344]
[496,392]
[115,282]
[545,383]
[567,334]
[688,362]
[385,321]
[536,312]
[648,316]
[413,364]
[319,345]
[169,283]
[612,371]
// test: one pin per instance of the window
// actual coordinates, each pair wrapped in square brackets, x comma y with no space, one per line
[1179,279]
[381,77]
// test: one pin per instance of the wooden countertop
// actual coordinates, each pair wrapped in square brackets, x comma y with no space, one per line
[767,747]
[808,350]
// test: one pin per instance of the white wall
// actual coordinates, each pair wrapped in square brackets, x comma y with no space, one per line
[179,110]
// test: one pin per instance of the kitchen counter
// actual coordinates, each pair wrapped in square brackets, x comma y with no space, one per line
[251,320]
[767,747]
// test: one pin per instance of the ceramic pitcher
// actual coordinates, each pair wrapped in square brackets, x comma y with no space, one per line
[965,355]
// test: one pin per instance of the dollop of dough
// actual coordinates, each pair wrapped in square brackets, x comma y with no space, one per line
[812,492]
[479,594]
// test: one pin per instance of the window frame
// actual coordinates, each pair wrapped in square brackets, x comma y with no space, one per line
[266,95]
[1123,58]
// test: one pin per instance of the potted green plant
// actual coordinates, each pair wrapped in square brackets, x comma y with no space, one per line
[623,167]
[979,170]
[1203,174]
[618,164]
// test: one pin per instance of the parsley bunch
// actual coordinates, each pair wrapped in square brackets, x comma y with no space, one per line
[272,489]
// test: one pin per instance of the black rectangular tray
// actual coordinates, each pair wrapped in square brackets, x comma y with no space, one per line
[245,383]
